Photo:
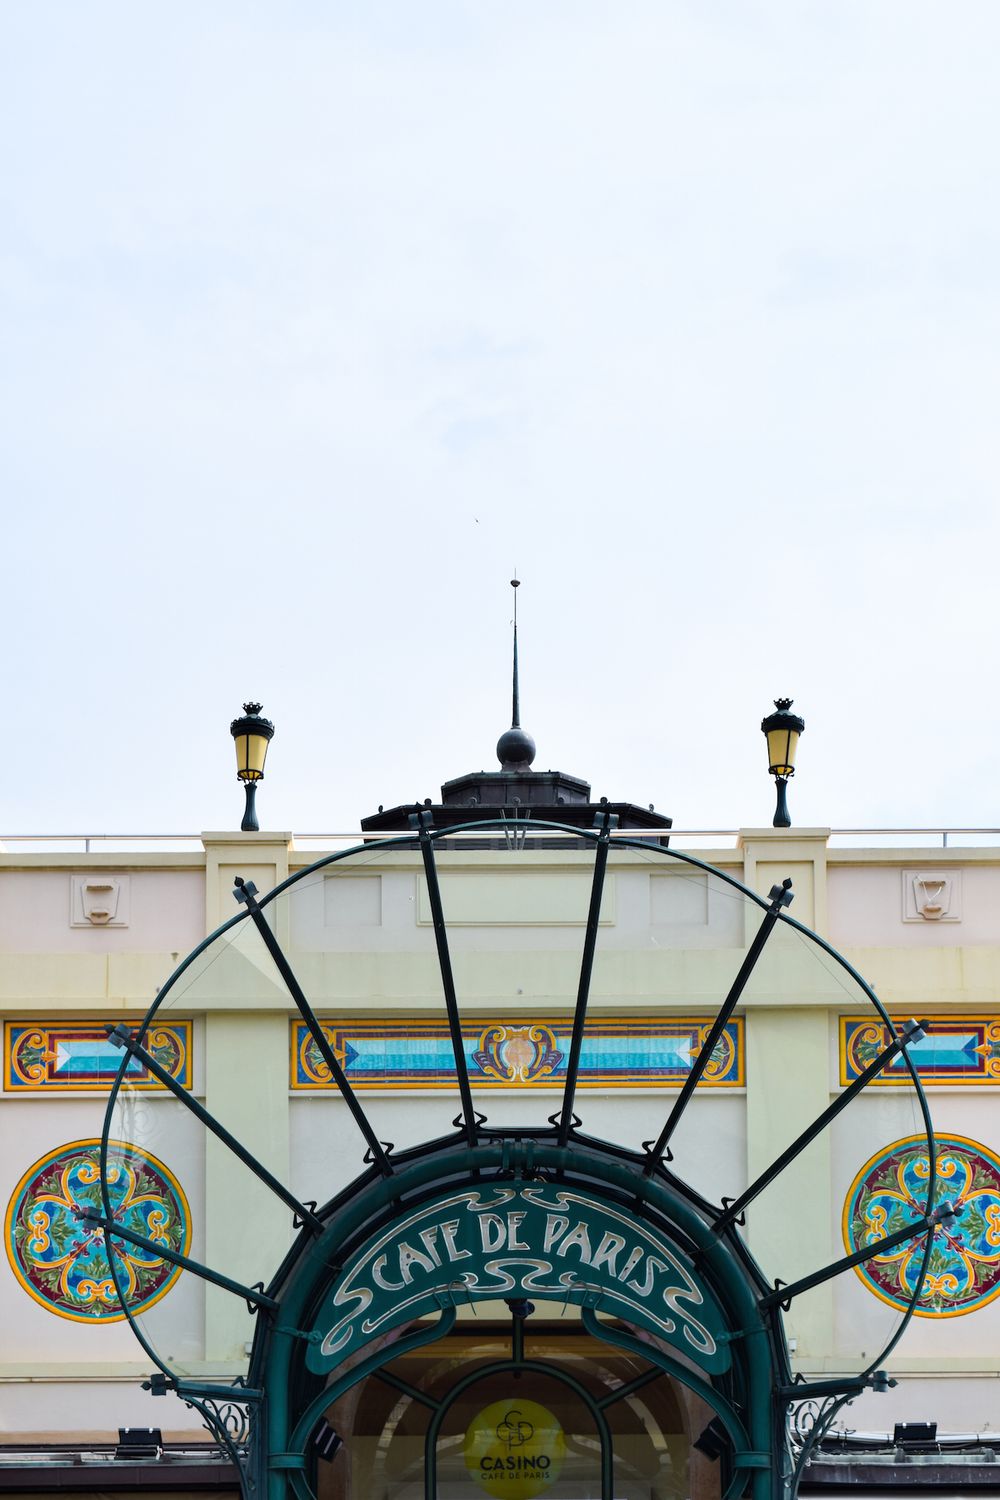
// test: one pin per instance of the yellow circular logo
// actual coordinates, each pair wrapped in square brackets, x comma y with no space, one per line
[515,1448]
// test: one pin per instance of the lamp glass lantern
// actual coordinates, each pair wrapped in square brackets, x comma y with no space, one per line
[251,735]
[782,729]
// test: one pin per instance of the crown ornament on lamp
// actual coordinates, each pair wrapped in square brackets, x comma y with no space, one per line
[251,735]
[782,729]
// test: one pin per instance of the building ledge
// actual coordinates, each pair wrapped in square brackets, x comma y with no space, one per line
[58,1468]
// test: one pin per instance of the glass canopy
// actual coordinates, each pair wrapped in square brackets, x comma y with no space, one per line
[554,1011]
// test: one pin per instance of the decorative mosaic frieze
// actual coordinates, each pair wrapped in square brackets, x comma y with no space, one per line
[62,1263]
[958,1049]
[78,1055]
[631,1052]
[890,1192]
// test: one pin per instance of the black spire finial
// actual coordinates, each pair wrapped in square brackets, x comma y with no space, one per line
[515,716]
[515,748]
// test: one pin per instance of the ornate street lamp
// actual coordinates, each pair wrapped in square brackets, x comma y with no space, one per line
[252,735]
[782,730]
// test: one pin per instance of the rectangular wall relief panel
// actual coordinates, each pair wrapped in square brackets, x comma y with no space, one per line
[533,899]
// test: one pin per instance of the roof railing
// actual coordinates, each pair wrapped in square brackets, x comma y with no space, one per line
[89,843]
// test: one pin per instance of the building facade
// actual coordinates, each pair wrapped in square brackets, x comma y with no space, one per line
[86,939]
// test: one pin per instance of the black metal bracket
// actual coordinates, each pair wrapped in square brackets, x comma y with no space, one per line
[810,1390]
[664,1155]
[313,1336]
[369,1157]
[159,1384]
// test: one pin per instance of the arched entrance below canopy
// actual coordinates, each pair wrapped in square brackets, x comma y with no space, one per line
[519,1404]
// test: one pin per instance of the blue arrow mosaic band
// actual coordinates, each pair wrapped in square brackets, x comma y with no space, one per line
[635,1052]
[958,1050]
[78,1055]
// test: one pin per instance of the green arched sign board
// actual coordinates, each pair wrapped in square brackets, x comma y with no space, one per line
[515,1239]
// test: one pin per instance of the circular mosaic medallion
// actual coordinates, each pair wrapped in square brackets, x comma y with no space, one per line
[890,1192]
[62,1262]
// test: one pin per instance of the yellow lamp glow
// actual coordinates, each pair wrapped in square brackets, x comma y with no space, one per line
[782,730]
[251,736]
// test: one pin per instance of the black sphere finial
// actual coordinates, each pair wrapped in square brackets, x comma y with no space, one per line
[515,749]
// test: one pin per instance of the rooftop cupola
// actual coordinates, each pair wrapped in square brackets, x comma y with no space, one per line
[515,790]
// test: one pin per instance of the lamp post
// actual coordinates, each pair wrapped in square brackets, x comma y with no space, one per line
[782,729]
[252,735]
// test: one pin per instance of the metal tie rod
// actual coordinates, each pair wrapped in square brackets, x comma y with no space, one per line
[781,896]
[422,821]
[913,1031]
[159,1251]
[944,1214]
[121,1036]
[246,891]
[607,822]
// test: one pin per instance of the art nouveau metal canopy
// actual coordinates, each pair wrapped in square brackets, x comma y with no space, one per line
[647,1231]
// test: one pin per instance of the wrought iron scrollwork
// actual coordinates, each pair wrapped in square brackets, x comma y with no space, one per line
[234,1426]
[224,1419]
[808,1422]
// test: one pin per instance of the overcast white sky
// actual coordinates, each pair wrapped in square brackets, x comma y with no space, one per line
[319,317]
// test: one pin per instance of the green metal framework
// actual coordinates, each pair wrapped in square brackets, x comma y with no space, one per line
[757,1340]
[757,1403]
